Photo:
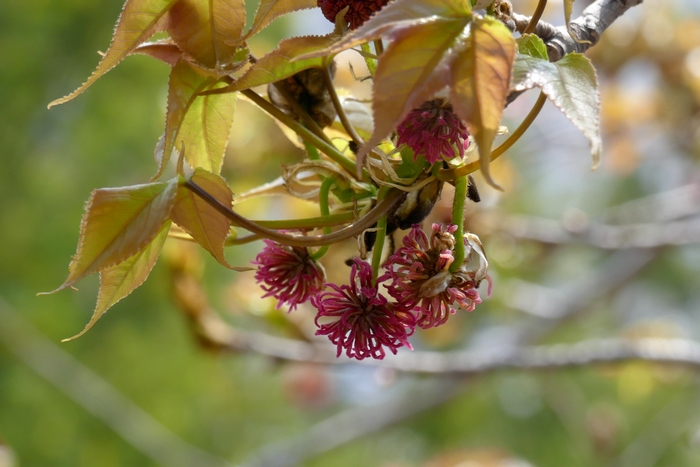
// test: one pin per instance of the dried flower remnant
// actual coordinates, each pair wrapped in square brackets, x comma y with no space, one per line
[421,278]
[433,130]
[362,320]
[288,273]
[358,12]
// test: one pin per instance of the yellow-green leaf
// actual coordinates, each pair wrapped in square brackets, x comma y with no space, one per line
[140,19]
[208,31]
[481,81]
[117,224]
[530,44]
[571,84]
[200,124]
[118,281]
[206,225]
[270,10]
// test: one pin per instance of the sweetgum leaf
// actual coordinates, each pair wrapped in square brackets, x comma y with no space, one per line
[481,81]
[165,50]
[117,224]
[206,225]
[202,124]
[572,85]
[531,45]
[118,281]
[208,30]
[282,62]
[270,10]
[139,20]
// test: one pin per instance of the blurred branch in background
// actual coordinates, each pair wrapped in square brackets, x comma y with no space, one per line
[97,396]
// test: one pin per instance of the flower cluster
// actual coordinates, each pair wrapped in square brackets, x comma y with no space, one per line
[433,130]
[359,318]
[358,12]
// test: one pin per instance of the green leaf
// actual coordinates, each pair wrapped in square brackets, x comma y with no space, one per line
[270,10]
[481,82]
[206,225]
[118,281]
[117,224]
[208,31]
[140,19]
[200,124]
[531,45]
[572,85]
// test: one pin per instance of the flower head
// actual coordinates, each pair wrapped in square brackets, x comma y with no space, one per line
[288,273]
[362,321]
[434,131]
[359,11]
[421,278]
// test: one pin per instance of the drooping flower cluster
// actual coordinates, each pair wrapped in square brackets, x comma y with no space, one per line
[421,278]
[433,130]
[360,319]
[288,273]
[358,12]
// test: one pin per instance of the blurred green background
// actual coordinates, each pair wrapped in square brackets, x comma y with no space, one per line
[138,391]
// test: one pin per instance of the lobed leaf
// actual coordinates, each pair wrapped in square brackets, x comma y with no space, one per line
[571,84]
[139,20]
[201,124]
[117,224]
[208,31]
[270,10]
[118,281]
[206,225]
[481,82]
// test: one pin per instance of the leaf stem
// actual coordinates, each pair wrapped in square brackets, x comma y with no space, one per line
[379,242]
[452,174]
[541,5]
[339,108]
[370,58]
[382,208]
[309,122]
[458,220]
[325,211]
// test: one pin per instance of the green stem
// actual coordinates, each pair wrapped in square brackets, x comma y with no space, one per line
[370,58]
[379,242]
[325,211]
[458,220]
[381,209]
[339,108]
[535,17]
[308,223]
[308,136]
[452,174]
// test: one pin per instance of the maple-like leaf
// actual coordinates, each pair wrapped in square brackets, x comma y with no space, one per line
[270,10]
[117,224]
[206,225]
[139,20]
[199,123]
[436,44]
[208,31]
[571,84]
[118,281]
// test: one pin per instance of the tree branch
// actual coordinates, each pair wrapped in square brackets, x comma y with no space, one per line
[586,29]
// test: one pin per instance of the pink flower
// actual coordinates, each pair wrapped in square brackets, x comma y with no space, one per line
[421,279]
[362,321]
[288,273]
[434,131]
[359,11]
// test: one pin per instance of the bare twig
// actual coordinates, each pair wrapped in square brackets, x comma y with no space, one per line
[586,29]
[97,396]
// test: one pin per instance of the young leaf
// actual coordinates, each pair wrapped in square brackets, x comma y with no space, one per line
[208,31]
[282,62]
[165,50]
[206,225]
[118,281]
[270,10]
[572,85]
[531,45]
[140,19]
[202,124]
[117,224]
[481,82]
